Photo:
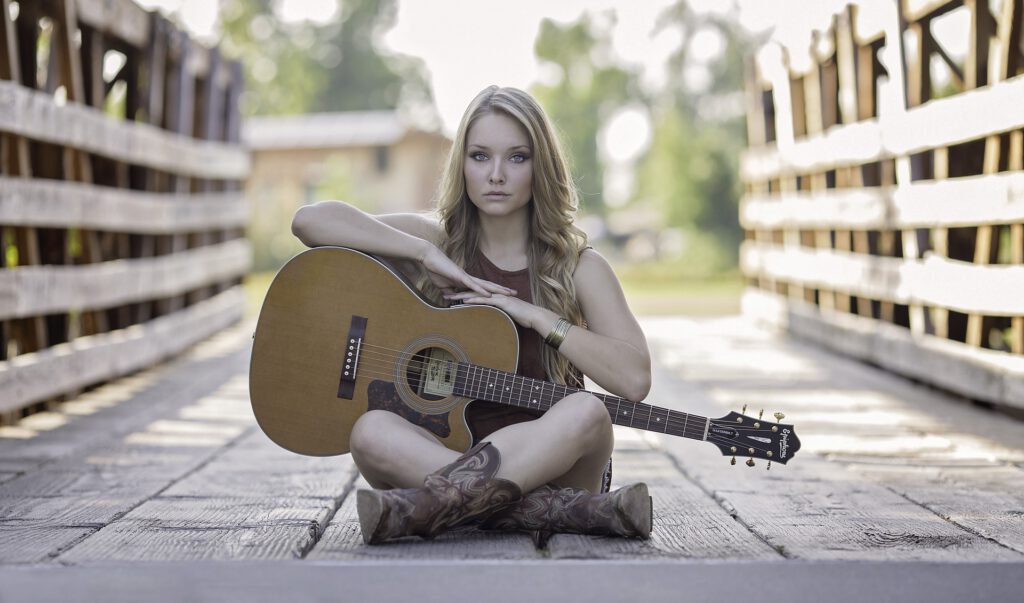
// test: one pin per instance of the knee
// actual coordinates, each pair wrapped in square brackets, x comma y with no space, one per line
[590,416]
[367,439]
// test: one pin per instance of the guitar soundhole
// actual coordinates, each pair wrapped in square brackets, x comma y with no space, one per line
[430,373]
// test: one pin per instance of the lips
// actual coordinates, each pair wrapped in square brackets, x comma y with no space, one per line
[496,195]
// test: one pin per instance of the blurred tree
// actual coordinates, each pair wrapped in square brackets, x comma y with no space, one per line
[589,88]
[691,171]
[301,67]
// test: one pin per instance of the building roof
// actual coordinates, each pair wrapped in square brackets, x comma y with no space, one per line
[320,130]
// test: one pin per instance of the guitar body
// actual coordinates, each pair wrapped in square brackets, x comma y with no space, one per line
[299,394]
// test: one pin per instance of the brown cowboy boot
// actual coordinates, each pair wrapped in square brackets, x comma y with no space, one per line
[625,512]
[453,495]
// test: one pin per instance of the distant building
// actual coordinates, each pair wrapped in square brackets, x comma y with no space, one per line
[373,159]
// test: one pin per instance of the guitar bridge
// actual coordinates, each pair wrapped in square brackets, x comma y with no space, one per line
[350,364]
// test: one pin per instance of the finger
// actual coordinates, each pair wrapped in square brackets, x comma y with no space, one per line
[496,288]
[477,285]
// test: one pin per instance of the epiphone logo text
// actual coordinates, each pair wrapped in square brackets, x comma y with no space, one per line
[784,443]
[728,432]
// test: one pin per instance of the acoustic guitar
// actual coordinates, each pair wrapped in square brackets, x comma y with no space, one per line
[341,332]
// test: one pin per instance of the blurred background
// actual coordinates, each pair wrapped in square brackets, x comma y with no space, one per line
[357,100]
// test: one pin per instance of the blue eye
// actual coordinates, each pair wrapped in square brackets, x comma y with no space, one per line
[478,157]
[519,158]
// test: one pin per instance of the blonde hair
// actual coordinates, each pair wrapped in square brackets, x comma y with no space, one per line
[555,242]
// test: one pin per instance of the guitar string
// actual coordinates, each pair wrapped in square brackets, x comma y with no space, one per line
[391,359]
[403,355]
[639,409]
[679,424]
[672,424]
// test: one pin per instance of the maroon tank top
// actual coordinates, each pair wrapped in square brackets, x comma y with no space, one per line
[484,417]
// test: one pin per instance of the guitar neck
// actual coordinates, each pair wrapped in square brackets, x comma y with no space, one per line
[481,383]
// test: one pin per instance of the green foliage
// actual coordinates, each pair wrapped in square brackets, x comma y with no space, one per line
[305,67]
[691,171]
[689,174]
[589,90]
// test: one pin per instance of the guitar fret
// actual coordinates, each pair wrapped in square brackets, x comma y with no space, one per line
[516,390]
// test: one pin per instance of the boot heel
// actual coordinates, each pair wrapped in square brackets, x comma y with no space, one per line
[637,507]
[370,509]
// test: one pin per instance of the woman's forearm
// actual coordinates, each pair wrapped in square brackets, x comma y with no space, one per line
[615,365]
[337,223]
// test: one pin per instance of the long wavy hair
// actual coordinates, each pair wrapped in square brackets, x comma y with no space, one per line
[555,242]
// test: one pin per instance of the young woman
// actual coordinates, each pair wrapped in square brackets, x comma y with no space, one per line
[505,237]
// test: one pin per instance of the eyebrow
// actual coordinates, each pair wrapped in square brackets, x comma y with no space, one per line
[487,148]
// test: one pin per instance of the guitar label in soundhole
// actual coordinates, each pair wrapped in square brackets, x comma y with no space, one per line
[382,395]
[431,373]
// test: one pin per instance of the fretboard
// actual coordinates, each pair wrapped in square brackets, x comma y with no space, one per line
[481,383]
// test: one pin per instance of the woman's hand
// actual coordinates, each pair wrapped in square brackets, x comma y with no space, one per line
[525,314]
[449,277]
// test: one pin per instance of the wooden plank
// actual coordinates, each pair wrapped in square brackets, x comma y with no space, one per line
[34,290]
[36,115]
[856,521]
[121,19]
[995,199]
[978,374]
[131,414]
[1017,258]
[38,376]
[968,116]
[916,10]
[176,529]
[985,500]
[258,468]
[922,282]
[63,512]
[37,544]
[816,510]
[342,540]
[688,522]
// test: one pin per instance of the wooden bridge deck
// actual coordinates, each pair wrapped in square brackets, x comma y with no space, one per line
[168,466]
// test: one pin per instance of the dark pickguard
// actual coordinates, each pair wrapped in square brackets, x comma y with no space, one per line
[382,395]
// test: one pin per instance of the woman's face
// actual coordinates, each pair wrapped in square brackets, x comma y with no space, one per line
[498,165]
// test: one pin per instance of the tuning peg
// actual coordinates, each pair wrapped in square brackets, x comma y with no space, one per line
[733,461]
[779,417]
[769,468]
[759,413]
[750,462]
[744,411]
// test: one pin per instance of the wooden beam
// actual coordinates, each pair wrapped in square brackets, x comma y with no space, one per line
[923,282]
[976,373]
[995,199]
[948,121]
[37,116]
[42,375]
[54,204]
[35,290]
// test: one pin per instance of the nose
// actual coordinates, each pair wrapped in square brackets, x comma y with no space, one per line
[497,176]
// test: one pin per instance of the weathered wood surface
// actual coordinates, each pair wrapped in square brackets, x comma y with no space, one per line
[37,115]
[906,281]
[975,373]
[168,465]
[37,376]
[53,203]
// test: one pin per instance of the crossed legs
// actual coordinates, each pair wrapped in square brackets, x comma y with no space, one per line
[568,446]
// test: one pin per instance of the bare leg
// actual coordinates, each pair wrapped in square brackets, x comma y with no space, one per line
[569,446]
[391,452]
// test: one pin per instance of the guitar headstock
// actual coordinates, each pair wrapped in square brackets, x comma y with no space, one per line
[737,434]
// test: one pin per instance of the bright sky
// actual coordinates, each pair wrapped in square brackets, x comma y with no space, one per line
[467,46]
